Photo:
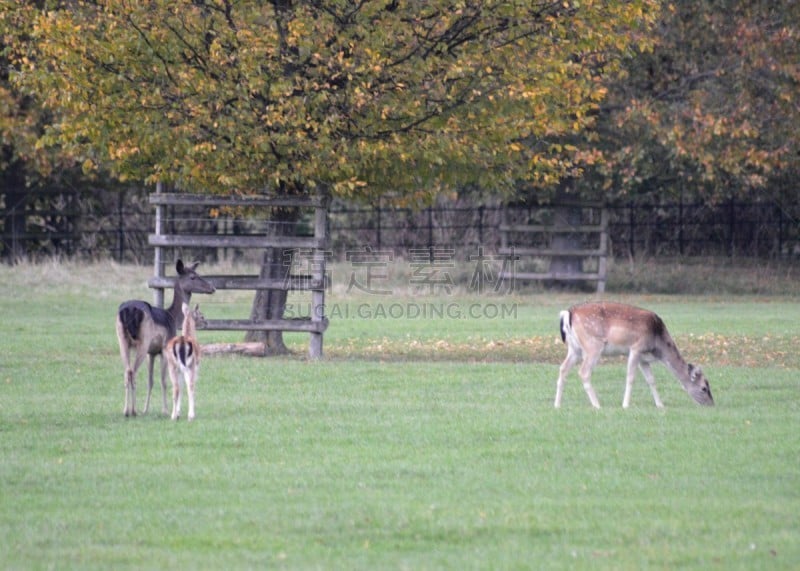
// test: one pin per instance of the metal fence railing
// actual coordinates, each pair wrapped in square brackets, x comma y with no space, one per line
[102,224]
[751,229]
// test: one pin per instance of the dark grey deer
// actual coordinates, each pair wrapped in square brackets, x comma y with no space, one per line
[146,330]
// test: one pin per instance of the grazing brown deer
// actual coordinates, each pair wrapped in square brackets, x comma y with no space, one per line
[591,330]
[183,359]
[146,330]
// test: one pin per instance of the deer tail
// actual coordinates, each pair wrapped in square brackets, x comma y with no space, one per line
[131,315]
[183,352]
[566,325]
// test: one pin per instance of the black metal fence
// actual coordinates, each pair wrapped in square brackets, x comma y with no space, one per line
[748,229]
[92,223]
[101,224]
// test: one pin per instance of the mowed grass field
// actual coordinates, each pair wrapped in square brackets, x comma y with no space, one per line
[419,442]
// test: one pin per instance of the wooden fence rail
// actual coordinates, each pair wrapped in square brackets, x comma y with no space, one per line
[314,283]
[590,263]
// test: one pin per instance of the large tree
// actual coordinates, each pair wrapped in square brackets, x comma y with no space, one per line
[353,96]
[713,110]
[25,166]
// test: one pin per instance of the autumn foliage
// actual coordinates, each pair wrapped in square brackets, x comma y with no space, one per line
[408,99]
[712,111]
[354,97]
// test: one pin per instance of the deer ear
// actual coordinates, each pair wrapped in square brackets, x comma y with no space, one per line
[197,307]
[179,267]
[194,266]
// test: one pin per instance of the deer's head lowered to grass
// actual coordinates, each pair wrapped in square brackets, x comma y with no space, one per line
[591,330]
[146,330]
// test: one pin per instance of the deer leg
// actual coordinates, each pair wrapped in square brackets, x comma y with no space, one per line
[129,374]
[127,380]
[563,371]
[150,362]
[648,375]
[589,362]
[124,353]
[633,361]
[174,376]
[163,384]
[191,376]
[130,399]
[130,385]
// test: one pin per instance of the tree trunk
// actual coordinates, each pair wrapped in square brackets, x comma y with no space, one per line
[271,303]
[566,216]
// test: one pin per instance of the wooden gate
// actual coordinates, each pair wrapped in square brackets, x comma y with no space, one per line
[316,245]
[536,238]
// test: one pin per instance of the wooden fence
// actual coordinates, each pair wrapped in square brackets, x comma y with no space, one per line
[316,244]
[572,245]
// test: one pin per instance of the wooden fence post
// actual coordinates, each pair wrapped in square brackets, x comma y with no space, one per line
[545,232]
[318,275]
[313,281]
[602,260]
[158,266]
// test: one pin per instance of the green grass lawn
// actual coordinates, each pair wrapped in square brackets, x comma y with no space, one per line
[421,443]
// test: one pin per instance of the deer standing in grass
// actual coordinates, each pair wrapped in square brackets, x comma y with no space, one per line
[183,359]
[145,330]
[591,330]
